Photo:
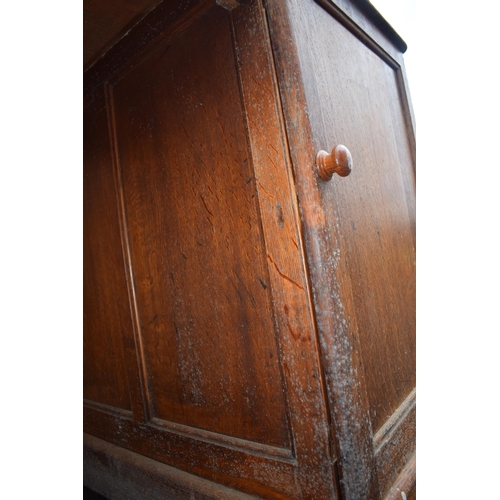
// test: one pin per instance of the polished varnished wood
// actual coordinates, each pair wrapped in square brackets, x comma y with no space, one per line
[339,162]
[249,316]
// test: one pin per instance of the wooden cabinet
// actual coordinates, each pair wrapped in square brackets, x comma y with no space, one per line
[249,328]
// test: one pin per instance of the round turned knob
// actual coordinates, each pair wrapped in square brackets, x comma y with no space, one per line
[339,162]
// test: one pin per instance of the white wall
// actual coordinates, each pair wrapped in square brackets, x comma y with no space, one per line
[453,70]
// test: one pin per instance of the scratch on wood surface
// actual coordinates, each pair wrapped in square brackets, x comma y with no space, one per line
[260,85]
[211,192]
[268,194]
[272,147]
[184,128]
[221,127]
[284,275]
[270,159]
[205,204]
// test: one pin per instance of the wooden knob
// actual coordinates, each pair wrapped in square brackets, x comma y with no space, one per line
[339,162]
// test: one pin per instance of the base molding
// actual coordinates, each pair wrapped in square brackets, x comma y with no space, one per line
[404,488]
[395,444]
[117,473]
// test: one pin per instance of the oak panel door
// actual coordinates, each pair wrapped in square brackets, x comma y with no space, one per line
[370,212]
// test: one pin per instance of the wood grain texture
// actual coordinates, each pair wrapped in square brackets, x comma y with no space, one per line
[134,350]
[281,226]
[347,402]
[395,442]
[116,472]
[359,231]
[369,210]
[405,483]
[364,21]
[105,299]
[165,19]
[231,465]
[105,22]
[196,242]
[230,189]
[268,344]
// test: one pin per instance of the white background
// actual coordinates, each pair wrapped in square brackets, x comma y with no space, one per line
[452,65]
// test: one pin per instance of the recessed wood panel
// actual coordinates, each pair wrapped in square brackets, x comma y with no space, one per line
[105,298]
[198,254]
[371,212]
